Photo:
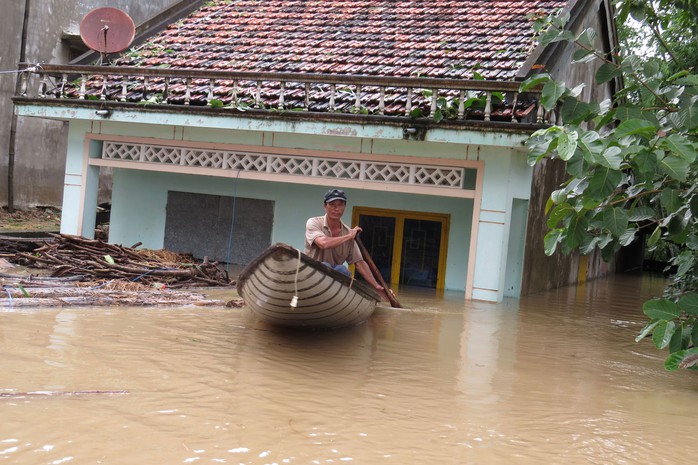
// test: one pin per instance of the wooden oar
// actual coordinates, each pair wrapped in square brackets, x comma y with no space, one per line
[376,274]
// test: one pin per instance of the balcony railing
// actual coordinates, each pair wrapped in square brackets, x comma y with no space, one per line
[415,98]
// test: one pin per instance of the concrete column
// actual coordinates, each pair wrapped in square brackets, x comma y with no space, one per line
[81,184]
[493,232]
[506,176]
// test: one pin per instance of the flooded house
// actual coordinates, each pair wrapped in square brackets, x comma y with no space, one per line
[224,130]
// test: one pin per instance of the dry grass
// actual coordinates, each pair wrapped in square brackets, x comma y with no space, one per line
[33,219]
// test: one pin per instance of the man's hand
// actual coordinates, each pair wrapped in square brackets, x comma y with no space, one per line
[353,232]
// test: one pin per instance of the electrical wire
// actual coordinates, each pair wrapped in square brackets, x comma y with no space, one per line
[232,223]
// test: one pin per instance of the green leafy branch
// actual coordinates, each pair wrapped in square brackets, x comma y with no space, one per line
[633,171]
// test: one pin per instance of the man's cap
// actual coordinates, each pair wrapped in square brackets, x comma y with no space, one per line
[335,194]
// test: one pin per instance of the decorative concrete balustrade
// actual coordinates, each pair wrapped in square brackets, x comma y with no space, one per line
[414,98]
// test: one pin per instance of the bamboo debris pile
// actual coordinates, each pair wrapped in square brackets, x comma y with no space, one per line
[68,255]
[9,245]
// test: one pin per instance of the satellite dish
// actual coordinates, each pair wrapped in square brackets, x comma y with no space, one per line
[107,30]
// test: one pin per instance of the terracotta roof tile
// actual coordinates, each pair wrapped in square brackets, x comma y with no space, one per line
[434,38]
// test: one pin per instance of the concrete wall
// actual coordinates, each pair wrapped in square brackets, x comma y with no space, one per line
[41,144]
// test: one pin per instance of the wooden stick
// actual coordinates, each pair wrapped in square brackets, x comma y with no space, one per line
[19,395]
[376,274]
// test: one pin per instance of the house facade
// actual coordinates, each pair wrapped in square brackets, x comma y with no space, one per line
[224,131]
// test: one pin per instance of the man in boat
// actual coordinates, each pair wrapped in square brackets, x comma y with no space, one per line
[329,240]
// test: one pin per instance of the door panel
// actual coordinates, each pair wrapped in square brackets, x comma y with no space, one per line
[421,246]
[379,236]
[407,247]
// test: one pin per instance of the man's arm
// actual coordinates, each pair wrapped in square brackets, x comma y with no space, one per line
[326,242]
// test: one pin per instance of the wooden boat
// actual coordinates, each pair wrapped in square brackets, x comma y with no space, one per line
[325,298]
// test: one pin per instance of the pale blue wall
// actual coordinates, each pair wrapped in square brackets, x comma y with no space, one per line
[139,201]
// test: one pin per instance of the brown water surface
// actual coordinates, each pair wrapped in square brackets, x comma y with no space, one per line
[554,378]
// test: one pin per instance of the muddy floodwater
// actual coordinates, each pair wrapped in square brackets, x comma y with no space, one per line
[554,378]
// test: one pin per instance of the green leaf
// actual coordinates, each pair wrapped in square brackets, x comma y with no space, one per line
[23,290]
[588,245]
[552,91]
[576,231]
[681,146]
[559,213]
[534,81]
[641,213]
[615,220]
[438,115]
[685,262]
[682,359]
[631,64]
[611,158]
[416,112]
[654,237]
[689,304]
[549,36]
[587,38]
[216,103]
[693,205]
[567,145]
[687,116]
[603,182]
[675,167]
[591,142]
[636,126]
[649,327]
[651,68]
[583,56]
[661,309]
[671,200]
[681,338]
[692,241]
[577,166]
[551,240]
[625,112]
[574,111]
[646,162]
[663,333]
[627,237]
[109,259]
[606,72]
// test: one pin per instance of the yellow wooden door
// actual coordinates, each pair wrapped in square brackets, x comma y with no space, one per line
[408,247]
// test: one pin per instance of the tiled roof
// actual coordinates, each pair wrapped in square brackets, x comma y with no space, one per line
[425,38]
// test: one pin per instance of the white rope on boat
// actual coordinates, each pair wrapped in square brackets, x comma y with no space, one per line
[294,300]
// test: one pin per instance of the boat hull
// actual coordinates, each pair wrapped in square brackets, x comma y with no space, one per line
[326,298]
